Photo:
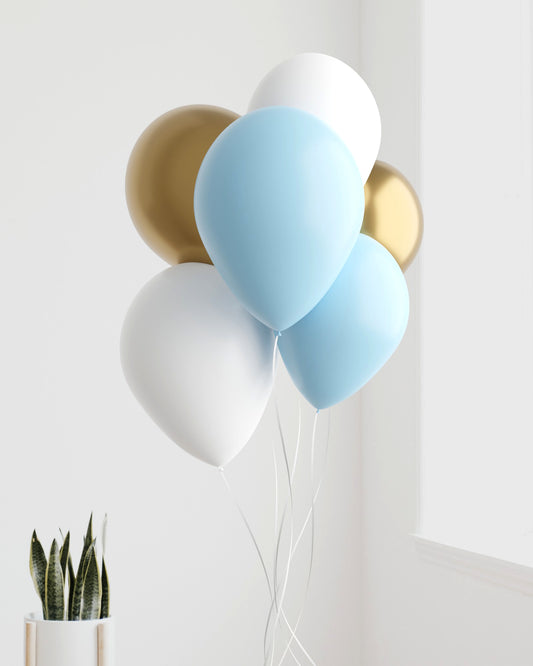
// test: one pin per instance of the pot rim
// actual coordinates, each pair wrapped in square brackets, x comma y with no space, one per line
[37,618]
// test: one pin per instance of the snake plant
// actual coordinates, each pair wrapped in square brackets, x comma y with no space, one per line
[64,593]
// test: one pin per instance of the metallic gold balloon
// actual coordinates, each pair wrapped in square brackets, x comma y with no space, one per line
[393,215]
[161,175]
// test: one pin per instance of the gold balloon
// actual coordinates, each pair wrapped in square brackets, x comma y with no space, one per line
[393,215]
[161,176]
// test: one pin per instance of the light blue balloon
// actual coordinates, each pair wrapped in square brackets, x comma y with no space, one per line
[343,342]
[279,204]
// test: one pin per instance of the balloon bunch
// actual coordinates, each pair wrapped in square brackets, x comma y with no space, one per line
[261,217]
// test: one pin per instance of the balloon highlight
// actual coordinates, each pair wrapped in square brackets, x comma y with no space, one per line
[333,92]
[198,363]
[341,344]
[161,175]
[393,215]
[279,203]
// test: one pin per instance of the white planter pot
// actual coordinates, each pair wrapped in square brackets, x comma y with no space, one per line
[81,643]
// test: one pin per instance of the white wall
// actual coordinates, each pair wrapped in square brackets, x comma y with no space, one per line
[477,283]
[79,83]
[416,56]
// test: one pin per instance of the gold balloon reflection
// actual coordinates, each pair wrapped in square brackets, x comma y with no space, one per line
[161,176]
[393,215]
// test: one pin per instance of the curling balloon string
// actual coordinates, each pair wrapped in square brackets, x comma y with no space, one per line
[274,355]
[317,491]
[276,494]
[279,602]
[275,602]
[289,563]
[310,516]
[275,460]
[298,437]
[302,531]
[276,491]
[277,588]
[274,599]
[278,535]
[252,536]
[248,527]
[311,555]
[275,463]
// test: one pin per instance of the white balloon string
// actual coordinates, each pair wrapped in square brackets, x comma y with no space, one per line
[276,511]
[312,547]
[276,488]
[274,354]
[308,581]
[292,630]
[274,600]
[296,451]
[279,602]
[275,603]
[276,491]
[248,527]
[274,587]
[254,540]
[255,543]
[287,623]
[317,491]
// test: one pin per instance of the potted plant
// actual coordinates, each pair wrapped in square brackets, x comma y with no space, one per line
[74,627]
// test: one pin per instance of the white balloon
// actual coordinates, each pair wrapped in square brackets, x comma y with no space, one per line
[331,90]
[198,363]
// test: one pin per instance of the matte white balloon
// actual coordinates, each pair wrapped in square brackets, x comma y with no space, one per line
[198,363]
[331,90]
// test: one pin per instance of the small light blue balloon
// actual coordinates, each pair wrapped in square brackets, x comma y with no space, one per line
[343,342]
[279,203]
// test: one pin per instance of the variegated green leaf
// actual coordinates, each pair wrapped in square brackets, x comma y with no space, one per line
[75,610]
[89,534]
[54,586]
[92,547]
[64,555]
[38,569]
[104,607]
[92,589]
[75,602]
[71,583]
[88,591]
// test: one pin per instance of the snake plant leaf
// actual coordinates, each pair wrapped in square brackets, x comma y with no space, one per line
[64,555]
[38,569]
[92,589]
[92,546]
[75,596]
[71,583]
[104,607]
[88,589]
[75,609]
[54,586]
[89,534]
